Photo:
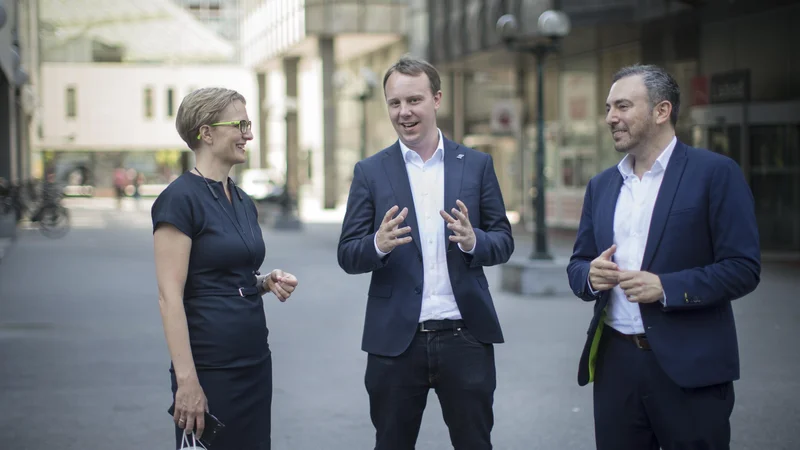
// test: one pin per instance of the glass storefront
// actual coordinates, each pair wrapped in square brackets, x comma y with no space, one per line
[767,147]
[775,180]
[78,170]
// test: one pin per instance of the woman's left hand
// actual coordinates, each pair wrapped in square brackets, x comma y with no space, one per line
[280,283]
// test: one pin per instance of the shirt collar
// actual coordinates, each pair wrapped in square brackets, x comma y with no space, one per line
[625,166]
[438,154]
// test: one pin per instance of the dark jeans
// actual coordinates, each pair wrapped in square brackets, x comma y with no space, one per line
[453,363]
[638,407]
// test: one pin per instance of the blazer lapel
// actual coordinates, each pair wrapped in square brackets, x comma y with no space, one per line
[666,194]
[607,209]
[453,173]
[395,167]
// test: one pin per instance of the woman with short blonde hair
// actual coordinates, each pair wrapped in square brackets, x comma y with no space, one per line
[208,254]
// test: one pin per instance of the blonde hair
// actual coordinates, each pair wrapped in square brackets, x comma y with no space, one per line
[202,107]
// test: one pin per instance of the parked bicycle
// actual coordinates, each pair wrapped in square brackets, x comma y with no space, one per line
[42,201]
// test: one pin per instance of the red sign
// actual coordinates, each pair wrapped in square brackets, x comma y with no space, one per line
[700,91]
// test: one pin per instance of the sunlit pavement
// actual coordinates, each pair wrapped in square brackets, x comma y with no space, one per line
[84,363]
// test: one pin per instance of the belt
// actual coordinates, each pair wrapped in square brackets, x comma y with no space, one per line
[240,292]
[440,325]
[640,340]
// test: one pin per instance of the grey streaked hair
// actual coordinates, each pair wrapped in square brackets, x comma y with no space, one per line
[659,83]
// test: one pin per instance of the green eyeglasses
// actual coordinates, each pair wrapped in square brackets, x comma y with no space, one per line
[244,125]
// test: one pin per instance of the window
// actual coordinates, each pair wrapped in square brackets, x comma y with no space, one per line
[71,102]
[170,102]
[148,102]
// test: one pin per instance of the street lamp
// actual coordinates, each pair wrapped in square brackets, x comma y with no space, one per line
[370,81]
[552,25]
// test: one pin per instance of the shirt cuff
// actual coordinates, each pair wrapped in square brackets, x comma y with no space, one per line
[471,252]
[377,250]
[589,284]
[664,298]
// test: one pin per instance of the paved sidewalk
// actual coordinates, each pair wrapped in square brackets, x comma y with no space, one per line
[5,245]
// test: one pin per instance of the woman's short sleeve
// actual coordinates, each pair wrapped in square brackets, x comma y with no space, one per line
[174,206]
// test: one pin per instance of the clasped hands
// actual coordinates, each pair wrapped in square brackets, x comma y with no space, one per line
[390,236]
[638,286]
[280,283]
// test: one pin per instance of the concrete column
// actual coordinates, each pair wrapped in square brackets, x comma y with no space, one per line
[292,136]
[13,131]
[6,126]
[23,145]
[263,116]
[33,58]
[330,172]
[8,223]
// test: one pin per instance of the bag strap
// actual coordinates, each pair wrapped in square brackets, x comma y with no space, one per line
[185,442]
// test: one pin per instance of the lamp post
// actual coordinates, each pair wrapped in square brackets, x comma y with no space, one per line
[552,25]
[370,81]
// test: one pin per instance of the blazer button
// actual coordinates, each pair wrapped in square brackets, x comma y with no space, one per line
[419,257]
[417,290]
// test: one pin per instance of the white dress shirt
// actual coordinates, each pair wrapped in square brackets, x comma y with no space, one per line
[631,227]
[427,187]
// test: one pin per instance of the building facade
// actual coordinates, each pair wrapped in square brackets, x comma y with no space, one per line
[15,101]
[97,117]
[740,94]
[110,85]
[221,16]
[14,80]
[317,64]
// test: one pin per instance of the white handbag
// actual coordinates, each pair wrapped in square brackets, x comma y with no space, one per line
[194,445]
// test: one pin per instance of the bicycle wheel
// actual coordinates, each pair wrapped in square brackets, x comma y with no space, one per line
[55,222]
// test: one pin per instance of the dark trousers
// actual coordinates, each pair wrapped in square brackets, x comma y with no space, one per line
[637,406]
[459,368]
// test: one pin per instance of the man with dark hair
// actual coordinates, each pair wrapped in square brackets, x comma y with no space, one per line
[430,320]
[667,240]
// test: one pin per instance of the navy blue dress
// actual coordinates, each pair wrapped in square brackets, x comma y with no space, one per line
[227,325]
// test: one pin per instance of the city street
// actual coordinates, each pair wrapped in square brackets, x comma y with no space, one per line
[84,365]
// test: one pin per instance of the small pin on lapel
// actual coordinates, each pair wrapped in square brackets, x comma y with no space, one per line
[460,156]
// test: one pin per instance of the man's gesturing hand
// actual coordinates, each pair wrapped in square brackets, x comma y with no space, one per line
[603,272]
[389,236]
[462,229]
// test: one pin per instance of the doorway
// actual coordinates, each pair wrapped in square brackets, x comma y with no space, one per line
[764,139]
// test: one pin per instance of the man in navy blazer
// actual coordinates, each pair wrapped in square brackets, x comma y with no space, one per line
[667,240]
[425,216]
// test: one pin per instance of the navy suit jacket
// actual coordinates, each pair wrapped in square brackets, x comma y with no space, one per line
[703,244]
[394,300]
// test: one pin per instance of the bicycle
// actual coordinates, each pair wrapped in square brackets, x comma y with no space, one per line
[51,217]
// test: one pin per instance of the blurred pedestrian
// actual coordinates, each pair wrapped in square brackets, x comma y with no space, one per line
[120,182]
[667,239]
[138,182]
[208,251]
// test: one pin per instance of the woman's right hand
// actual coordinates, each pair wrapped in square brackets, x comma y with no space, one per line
[190,407]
